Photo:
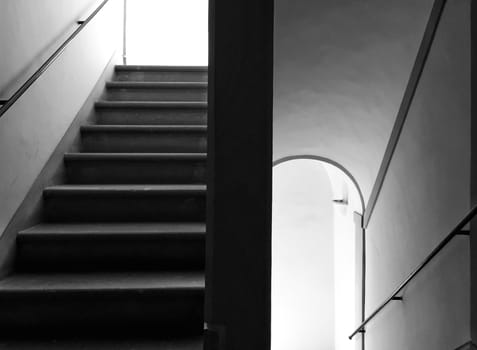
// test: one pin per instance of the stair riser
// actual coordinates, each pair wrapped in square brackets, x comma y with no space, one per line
[101,312]
[133,252]
[136,172]
[117,208]
[117,342]
[162,76]
[143,116]
[163,94]
[152,142]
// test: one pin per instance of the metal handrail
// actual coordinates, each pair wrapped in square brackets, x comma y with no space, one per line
[8,103]
[458,230]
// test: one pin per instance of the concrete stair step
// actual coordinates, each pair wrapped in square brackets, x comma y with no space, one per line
[116,342]
[111,246]
[125,203]
[135,168]
[161,73]
[144,138]
[103,303]
[156,91]
[118,260]
[151,113]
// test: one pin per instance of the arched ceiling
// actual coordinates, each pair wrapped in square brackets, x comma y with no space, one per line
[341,67]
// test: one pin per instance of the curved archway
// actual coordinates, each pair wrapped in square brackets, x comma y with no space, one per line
[315,250]
[331,162]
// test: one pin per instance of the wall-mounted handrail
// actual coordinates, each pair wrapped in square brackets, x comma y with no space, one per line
[416,73]
[458,230]
[8,103]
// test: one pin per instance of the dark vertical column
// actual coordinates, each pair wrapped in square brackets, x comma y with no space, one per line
[473,236]
[238,265]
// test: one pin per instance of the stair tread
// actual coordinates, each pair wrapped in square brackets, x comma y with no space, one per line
[155,85]
[143,128]
[155,68]
[125,188]
[102,281]
[151,104]
[114,228]
[134,156]
[114,343]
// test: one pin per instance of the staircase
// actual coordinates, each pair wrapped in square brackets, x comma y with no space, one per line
[117,262]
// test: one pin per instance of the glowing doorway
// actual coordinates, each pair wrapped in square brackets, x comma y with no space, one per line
[315,256]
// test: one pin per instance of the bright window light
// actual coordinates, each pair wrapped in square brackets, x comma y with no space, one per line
[167,32]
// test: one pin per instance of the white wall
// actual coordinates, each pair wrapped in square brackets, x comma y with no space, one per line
[313,237]
[341,67]
[30,30]
[303,309]
[33,126]
[425,194]
[346,255]
[340,72]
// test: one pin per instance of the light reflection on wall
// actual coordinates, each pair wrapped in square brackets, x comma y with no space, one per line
[313,257]
[167,32]
[347,286]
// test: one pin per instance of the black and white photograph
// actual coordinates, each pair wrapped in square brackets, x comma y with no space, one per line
[238,175]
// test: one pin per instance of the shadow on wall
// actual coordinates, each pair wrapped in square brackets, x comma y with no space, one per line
[340,69]
[313,256]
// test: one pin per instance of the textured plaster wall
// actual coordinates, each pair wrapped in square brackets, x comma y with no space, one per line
[341,67]
[33,126]
[30,30]
[426,193]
